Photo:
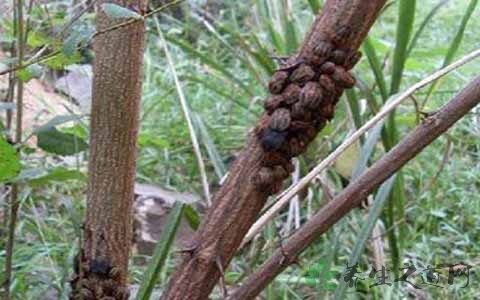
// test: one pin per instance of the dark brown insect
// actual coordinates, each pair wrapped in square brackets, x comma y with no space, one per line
[320,122]
[327,84]
[291,93]
[323,49]
[115,273]
[291,63]
[352,60]
[272,103]
[327,67]
[328,111]
[278,82]
[302,74]
[272,140]
[294,147]
[338,57]
[280,119]
[275,158]
[311,95]
[264,177]
[343,78]
[298,111]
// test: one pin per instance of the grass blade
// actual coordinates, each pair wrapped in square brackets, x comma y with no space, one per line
[161,251]
[366,230]
[404,30]
[423,25]
[376,66]
[456,42]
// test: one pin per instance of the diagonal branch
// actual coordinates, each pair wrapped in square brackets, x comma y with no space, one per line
[304,93]
[352,196]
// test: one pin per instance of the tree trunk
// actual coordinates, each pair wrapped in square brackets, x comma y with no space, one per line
[101,269]
[305,90]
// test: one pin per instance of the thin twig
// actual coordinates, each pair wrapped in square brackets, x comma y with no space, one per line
[14,203]
[290,192]
[186,112]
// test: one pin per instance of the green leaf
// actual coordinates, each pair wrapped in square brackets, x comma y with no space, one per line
[57,142]
[75,38]
[313,272]
[118,12]
[60,61]
[161,252]
[321,265]
[32,71]
[311,281]
[330,275]
[330,286]
[404,30]
[55,121]
[59,174]
[9,161]
[192,216]
[367,227]
[314,5]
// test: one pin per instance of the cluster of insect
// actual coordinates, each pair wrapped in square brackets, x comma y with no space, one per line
[304,93]
[101,284]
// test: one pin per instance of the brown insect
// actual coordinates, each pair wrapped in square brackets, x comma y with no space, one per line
[280,119]
[343,78]
[323,49]
[352,60]
[338,57]
[311,95]
[327,111]
[272,103]
[294,147]
[298,111]
[278,82]
[291,93]
[327,67]
[264,177]
[327,84]
[302,74]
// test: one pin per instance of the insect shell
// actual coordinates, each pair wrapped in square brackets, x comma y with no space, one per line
[327,67]
[294,147]
[327,84]
[272,139]
[352,60]
[280,119]
[299,112]
[272,103]
[343,78]
[323,49]
[291,93]
[311,95]
[327,111]
[338,57]
[278,82]
[264,177]
[302,74]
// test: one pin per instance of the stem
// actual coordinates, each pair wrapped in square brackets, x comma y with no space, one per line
[18,137]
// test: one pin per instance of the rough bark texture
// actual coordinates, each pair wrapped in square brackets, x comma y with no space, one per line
[358,190]
[304,93]
[101,269]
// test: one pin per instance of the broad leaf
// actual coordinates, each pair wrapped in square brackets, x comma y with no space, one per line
[118,12]
[9,161]
[57,142]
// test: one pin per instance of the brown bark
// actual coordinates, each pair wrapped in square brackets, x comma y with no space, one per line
[328,52]
[118,71]
[358,190]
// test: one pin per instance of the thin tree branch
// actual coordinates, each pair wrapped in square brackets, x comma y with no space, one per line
[352,196]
